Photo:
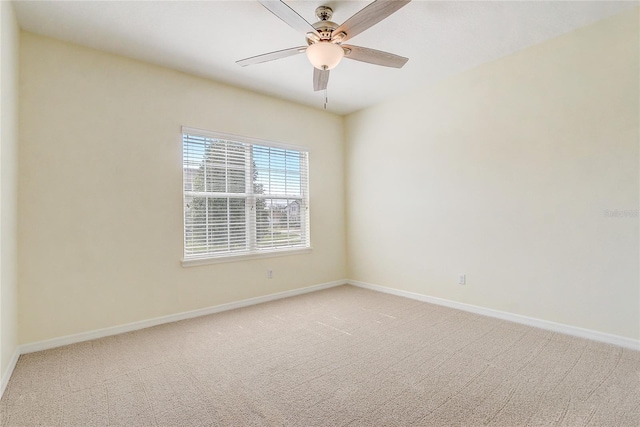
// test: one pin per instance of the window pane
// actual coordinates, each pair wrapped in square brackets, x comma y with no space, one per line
[279,223]
[278,171]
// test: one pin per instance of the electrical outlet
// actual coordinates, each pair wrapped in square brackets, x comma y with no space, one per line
[269,274]
[462,279]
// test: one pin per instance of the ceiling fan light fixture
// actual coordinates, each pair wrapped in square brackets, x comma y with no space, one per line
[325,55]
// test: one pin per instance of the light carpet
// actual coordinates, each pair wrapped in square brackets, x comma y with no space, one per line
[339,357]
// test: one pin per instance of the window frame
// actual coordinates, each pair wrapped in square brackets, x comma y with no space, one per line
[253,252]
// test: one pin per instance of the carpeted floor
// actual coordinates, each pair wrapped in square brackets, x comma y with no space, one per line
[340,357]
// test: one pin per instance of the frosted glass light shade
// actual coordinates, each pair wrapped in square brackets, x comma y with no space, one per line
[324,55]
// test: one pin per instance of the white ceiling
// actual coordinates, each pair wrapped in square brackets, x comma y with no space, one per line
[205,38]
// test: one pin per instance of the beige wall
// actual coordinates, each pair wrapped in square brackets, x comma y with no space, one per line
[9,39]
[505,174]
[101,190]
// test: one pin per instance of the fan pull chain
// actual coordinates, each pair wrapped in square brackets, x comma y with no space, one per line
[326,99]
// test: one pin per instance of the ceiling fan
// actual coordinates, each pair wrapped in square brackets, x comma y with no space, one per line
[324,38]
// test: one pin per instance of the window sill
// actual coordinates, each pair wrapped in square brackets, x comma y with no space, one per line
[233,258]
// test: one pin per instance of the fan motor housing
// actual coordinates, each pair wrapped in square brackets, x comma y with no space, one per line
[325,29]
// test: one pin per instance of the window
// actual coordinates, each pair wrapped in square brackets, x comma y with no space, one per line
[242,196]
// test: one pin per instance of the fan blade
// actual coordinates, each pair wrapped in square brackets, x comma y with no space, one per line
[320,79]
[271,56]
[369,16]
[288,15]
[373,56]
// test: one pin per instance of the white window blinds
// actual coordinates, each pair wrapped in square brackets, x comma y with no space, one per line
[242,197]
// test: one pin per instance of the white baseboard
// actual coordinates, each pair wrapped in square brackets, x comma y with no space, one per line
[9,371]
[529,321]
[114,330]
